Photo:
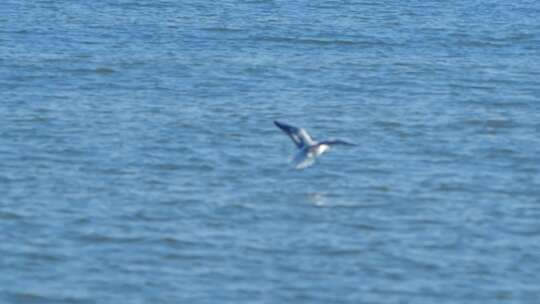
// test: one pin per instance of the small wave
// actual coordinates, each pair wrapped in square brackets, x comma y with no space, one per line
[31,297]
[10,216]
[175,242]
[499,123]
[46,257]
[101,238]
[315,41]
[183,257]
[386,124]
[336,252]
[99,71]
[15,32]
[168,167]
[491,125]
[104,71]
[220,29]
[453,187]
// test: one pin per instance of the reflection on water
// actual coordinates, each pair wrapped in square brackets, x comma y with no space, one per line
[318,198]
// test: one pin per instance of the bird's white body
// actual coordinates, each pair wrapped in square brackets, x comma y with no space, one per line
[321,149]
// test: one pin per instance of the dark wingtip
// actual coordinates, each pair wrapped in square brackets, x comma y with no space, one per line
[348,143]
[340,142]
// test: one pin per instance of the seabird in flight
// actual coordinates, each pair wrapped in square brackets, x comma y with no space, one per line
[309,149]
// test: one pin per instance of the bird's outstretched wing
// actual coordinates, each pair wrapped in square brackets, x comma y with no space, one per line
[335,142]
[298,135]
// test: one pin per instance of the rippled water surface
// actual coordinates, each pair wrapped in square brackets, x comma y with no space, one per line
[139,162]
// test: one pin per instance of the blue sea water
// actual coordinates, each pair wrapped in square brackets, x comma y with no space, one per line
[139,162]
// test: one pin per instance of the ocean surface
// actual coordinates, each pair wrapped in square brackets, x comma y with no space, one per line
[139,162]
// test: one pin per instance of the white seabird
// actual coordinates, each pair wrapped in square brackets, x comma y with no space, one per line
[309,149]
